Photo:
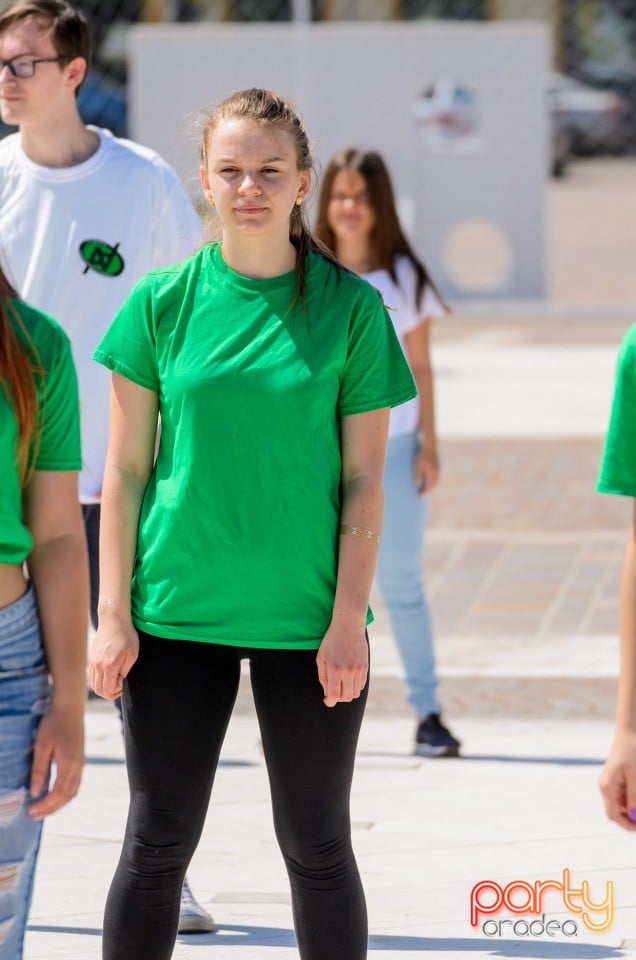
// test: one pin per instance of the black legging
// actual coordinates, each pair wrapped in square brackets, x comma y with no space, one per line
[177,703]
[91,513]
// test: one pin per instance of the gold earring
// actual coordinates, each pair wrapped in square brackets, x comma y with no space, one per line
[299,200]
[211,200]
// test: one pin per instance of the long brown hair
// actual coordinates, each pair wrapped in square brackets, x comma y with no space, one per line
[265,106]
[18,368]
[387,238]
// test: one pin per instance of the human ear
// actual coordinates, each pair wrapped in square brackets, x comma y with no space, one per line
[76,71]
[305,184]
[205,180]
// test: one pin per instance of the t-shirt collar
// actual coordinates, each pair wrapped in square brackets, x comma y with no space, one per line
[258,285]
[69,174]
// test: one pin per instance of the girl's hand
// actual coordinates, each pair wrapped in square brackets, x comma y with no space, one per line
[426,469]
[59,740]
[618,781]
[343,663]
[114,651]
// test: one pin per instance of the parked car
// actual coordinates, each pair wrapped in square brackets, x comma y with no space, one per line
[560,143]
[589,120]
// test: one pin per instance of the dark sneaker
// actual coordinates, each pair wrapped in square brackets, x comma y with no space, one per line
[193,918]
[433,739]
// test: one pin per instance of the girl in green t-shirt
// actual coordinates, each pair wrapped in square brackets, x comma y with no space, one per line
[617,475]
[43,593]
[253,534]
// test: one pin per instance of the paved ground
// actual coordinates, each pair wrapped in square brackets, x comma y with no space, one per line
[592,233]
[523,560]
[521,805]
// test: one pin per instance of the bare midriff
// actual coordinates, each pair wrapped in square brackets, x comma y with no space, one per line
[12,584]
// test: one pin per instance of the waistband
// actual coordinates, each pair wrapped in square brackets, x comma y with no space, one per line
[20,611]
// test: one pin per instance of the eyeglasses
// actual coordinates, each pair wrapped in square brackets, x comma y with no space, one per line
[24,67]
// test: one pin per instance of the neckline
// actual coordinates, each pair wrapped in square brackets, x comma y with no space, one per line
[77,170]
[256,284]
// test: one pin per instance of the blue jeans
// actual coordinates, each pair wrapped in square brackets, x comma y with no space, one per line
[24,698]
[399,574]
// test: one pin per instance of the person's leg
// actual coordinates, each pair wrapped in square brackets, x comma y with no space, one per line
[177,703]
[310,750]
[24,698]
[399,575]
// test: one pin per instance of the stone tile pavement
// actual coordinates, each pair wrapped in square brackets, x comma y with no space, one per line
[523,557]
[522,805]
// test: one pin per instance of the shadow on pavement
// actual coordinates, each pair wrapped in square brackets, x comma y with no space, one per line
[498,948]
[119,761]
[51,928]
[228,934]
[558,761]
[235,935]
[498,758]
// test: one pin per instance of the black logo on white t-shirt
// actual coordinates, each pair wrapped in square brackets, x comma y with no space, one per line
[102,258]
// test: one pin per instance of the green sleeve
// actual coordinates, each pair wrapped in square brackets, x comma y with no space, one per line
[129,345]
[58,446]
[618,464]
[375,373]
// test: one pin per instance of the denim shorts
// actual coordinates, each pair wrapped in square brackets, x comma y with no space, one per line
[24,698]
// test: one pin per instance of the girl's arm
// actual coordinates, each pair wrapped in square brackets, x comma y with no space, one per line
[58,567]
[131,445]
[343,657]
[618,779]
[417,343]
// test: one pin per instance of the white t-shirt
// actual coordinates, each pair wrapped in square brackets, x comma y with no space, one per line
[402,305]
[74,240]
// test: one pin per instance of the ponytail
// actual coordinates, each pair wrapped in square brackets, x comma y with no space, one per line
[304,241]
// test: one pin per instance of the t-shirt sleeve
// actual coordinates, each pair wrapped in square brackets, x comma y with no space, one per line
[59,425]
[617,472]
[129,345]
[375,372]
[178,229]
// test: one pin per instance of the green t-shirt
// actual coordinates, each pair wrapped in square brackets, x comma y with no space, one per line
[618,464]
[238,533]
[58,423]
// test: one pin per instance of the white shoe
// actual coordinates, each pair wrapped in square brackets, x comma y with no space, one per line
[193,918]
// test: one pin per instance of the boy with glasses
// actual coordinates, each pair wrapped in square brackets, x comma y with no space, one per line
[83,216]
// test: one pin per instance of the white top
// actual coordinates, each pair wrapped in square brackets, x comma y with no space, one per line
[74,240]
[401,304]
